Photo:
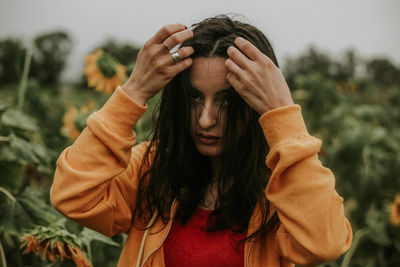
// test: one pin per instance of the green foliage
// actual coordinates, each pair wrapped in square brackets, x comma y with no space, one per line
[27,162]
[21,145]
[16,128]
[357,118]
[314,61]
[144,126]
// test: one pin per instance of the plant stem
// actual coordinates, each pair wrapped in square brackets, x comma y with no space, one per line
[357,238]
[2,256]
[8,194]
[24,80]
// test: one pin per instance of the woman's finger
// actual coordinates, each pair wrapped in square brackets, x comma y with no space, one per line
[234,68]
[166,31]
[249,49]
[177,38]
[238,57]
[181,66]
[183,53]
[236,84]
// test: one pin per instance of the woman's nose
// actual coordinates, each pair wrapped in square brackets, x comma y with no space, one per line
[208,116]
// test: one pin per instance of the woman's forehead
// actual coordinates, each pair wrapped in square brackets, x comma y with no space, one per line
[208,75]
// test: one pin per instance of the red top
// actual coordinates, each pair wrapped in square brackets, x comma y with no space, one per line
[190,245]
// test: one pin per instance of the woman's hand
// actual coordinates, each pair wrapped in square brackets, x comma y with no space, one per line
[256,78]
[155,66]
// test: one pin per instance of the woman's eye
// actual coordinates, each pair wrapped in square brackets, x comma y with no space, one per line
[196,95]
[223,101]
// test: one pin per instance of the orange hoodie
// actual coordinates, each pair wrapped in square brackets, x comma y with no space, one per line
[95,184]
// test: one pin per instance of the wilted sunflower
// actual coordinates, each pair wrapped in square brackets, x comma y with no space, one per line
[44,242]
[103,71]
[395,211]
[74,120]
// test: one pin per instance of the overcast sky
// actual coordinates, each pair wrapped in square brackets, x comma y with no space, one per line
[372,27]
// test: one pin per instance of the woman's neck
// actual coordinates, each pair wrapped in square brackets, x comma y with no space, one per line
[216,167]
[211,192]
[210,197]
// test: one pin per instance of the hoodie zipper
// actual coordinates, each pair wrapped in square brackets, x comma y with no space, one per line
[248,253]
[165,237]
[251,242]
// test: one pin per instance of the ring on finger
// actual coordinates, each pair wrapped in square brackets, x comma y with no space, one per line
[166,46]
[176,57]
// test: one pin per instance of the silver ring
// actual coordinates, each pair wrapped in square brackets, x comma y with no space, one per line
[166,46]
[176,57]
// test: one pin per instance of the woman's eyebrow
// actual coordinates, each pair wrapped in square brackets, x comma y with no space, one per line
[196,90]
[224,91]
[220,92]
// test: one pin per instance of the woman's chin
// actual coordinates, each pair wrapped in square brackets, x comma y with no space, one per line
[208,151]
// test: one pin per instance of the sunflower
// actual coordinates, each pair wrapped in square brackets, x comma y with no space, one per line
[103,72]
[395,211]
[75,120]
[69,129]
[53,249]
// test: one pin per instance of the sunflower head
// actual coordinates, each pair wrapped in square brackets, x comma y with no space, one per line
[103,71]
[107,65]
[75,120]
[69,129]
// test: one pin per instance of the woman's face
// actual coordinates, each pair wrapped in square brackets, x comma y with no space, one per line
[209,91]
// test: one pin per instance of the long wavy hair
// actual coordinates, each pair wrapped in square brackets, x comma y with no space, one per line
[179,172]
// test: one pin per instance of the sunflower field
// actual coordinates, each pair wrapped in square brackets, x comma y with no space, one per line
[351,103]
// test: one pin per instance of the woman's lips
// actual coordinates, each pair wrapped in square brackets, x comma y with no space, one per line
[208,139]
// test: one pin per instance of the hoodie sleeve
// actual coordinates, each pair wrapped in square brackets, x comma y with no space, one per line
[96,178]
[313,226]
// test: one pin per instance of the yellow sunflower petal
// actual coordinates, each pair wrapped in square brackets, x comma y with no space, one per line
[100,86]
[94,79]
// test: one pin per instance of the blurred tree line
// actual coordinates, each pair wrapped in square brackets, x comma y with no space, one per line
[350,103]
[50,52]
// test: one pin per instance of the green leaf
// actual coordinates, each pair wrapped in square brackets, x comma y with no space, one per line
[2,107]
[13,217]
[12,176]
[7,153]
[36,205]
[25,151]
[17,119]
[377,227]
[91,235]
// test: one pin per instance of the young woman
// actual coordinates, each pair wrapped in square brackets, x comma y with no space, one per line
[231,176]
